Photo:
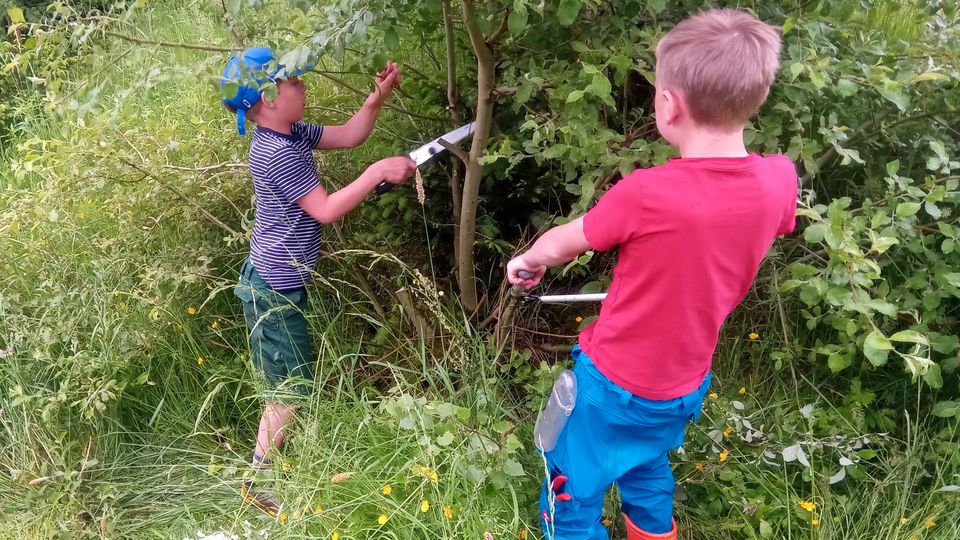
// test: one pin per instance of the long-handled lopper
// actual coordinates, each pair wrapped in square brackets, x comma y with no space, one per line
[557,298]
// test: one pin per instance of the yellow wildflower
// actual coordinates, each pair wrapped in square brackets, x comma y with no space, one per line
[317,509]
[579,319]
[808,506]
[215,325]
[426,472]
[743,390]
[815,522]
[713,395]
[424,505]
[335,536]
[723,456]
[387,490]
[753,336]
[199,360]
[287,466]
[903,521]
[929,523]
[382,519]
[192,310]
[447,512]
[522,534]
[283,518]
[727,432]
[607,522]
[699,466]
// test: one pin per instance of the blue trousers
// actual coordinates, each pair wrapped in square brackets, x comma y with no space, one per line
[614,436]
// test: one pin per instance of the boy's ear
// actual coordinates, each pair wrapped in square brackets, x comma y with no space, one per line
[673,106]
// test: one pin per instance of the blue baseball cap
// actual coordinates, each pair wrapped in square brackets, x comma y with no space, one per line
[250,71]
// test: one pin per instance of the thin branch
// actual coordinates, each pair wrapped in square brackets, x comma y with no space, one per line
[180,195]
[195,46]
[495,36]
[208,167]
[344,84]
[455,150]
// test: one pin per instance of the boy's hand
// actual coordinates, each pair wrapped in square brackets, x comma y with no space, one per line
[518,265]
[393,169]
[387,81]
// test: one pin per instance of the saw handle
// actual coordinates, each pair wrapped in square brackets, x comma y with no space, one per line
[384,187]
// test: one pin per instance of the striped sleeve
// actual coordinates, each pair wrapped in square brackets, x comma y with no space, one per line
[311,133]
[293,176]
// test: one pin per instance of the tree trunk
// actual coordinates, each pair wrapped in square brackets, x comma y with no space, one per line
[486,77]
[453,103]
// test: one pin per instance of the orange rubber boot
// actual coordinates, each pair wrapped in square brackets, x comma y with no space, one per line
[636,533]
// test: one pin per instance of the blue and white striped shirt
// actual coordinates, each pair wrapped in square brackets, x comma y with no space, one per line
[286,240]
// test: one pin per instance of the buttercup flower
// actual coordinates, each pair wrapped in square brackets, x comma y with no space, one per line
[382,519]
[387,490]
[723,456]
[753,336]
[808,506]
[424,505]
[192,310]
[447,512]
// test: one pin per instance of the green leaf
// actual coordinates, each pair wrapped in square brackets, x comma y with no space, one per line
[876,347]
[445,439]
[953,278]
[513,468]
[391,40]
[517,22]
[16,15]
[600,85]
[657,5]
[944,344]
[933,377]
[846,87]
[838,361]
[567,12]
[814,233]
[893,94]
[910,336]
[576,95]
[906,209]
[946,409]
[928,76]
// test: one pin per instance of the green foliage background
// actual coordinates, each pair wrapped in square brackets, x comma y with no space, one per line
[127,406]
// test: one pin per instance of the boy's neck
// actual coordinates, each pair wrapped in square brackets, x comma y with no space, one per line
[700,143]
[280,127]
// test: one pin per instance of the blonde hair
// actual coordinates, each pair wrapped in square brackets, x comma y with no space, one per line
[723,62]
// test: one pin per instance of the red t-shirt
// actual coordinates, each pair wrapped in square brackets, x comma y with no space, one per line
[692,234]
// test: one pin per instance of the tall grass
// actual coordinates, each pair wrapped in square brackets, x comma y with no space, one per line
[113,427]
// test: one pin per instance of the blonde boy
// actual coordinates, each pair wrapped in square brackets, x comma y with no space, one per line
[691,235]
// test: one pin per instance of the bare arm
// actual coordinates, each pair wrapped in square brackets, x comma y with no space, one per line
[329,208]
[358,128]
[557,246]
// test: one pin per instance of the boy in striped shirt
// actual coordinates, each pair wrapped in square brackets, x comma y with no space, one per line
[291,205]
